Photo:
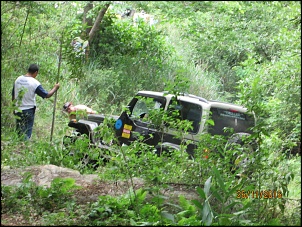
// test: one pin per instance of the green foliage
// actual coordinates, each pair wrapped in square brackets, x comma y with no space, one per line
[272,88]
[218,50]
[217,197]
[125,59]
[28,197]
[275,103]
[127,209]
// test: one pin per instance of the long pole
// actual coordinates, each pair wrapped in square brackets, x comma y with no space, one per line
[55,102]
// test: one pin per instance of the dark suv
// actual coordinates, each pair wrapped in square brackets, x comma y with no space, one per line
[145,116]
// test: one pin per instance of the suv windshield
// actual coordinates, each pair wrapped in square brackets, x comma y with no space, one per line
[240,122]
[143,105]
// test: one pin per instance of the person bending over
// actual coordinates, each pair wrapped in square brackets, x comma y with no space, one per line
[73,111]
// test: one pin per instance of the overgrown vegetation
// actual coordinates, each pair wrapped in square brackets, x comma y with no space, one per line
[244,52]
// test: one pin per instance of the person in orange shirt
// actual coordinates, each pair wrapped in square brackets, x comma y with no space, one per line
[74,110]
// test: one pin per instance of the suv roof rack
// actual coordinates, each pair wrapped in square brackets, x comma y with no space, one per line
[225,102]
[191,96]
[195,96]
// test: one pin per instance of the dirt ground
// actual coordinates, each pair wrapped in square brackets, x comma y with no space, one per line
[92,187]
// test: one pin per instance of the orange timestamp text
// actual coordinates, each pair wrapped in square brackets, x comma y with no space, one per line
[256,194]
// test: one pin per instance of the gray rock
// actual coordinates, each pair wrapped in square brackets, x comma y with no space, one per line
[43,175]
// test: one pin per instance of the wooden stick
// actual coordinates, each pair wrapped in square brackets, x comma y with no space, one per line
[55,102]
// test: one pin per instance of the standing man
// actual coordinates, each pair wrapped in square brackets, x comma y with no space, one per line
[24,91]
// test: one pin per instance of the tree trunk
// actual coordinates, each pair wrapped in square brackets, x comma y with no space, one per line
[96,26]
[87,21]
[24,25]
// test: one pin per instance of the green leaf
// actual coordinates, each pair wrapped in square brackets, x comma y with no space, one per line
[207,186]
[218,196]
[167,215]
[210,122]
[201,193]
[132,222]
[231,205]
[219,179]
[197,204]
[207,215]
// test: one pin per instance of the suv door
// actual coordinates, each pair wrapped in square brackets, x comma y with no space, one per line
[184,111]
[137,120]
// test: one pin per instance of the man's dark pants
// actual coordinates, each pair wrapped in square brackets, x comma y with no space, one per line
[25,122]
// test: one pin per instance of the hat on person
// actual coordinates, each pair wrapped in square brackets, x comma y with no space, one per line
[66,105]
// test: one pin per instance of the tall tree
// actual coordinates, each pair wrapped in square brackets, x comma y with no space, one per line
[87,21]
[96,26]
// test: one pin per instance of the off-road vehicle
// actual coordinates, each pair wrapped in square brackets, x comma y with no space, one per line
[145,113]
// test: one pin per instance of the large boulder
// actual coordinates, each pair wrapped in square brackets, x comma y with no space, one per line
[44,174]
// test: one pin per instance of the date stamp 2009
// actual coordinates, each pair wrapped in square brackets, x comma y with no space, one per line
[256,194]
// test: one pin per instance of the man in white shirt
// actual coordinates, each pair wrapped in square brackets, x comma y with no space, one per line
[24,92]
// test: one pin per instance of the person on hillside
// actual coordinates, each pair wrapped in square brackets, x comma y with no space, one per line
[77,109]
[25,89]
[80,46]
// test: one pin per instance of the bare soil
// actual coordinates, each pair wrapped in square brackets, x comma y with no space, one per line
[91,188]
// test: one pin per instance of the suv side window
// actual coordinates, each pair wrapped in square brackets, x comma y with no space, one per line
[187,111]
[240,122]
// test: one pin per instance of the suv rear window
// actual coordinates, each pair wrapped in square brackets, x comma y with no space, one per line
[223,118]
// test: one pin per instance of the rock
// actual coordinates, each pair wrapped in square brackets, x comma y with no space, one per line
[92,185]
[43,175]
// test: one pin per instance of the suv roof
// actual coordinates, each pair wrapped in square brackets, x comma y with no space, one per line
[194,98]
